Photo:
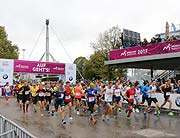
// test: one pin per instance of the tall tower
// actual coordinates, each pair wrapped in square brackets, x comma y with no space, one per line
[47,53]
[47,40]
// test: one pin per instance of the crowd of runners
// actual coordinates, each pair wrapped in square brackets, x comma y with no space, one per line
[90,98]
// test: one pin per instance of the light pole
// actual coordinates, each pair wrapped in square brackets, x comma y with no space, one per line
[23,50]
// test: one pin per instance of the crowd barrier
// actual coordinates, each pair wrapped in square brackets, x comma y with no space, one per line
[9,129]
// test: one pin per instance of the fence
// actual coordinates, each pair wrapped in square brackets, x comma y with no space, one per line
[9,129]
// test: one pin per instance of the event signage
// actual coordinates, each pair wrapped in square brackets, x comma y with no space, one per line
[38,67]
[71,73]
[6,71]
[149,50]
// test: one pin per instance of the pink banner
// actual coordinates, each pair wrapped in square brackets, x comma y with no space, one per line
[152,49]
[38,67]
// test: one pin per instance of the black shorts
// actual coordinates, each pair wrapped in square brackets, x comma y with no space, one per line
[150,100]
[166,97]
[91,107]
[130,103]
[117,99]
[59,103]
[41,98]
[20,96]
[25,98]
[34,100]
[66,103]
[144,99]
[48,99]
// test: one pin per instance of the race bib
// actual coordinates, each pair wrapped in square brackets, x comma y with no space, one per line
[41,94]
[48,94]
[168,93]
[26,92]
[62,95]
[131,96]
[68,97]
[117,94]
[78,93]
[91,99]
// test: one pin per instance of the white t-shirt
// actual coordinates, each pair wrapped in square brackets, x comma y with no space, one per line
[7,89]
[109,95]
[153,93]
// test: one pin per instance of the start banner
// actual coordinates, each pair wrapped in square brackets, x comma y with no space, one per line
[23,66]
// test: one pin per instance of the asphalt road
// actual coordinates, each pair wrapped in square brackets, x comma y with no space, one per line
[49,127]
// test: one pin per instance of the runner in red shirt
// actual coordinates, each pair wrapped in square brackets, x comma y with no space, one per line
[78,96]
[129,95]
[68,98]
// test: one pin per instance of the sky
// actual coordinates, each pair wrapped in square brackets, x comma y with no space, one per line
[76,23]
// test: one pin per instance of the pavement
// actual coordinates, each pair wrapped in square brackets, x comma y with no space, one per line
[49,127]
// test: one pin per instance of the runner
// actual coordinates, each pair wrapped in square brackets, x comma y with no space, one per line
[117,99]
[153,98]
[33,90]
[137,96]
[91,98]
[59,101]
[41,94]
[48,97]
[25,90]
[8,90]
[108,95]
[166,89]
[129,95]
[68,98]
[145,97]
[78,96]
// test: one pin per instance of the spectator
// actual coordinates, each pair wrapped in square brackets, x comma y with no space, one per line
[153,40]
[158,39]
[167,38]
[145,42]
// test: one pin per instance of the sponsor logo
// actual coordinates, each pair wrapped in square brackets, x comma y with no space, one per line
[177,101]
[124,53]
[168,47]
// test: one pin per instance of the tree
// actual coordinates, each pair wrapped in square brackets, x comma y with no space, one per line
[110,39]
[80,65]
[7,49]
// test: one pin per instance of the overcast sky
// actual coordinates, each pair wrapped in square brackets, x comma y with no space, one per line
[78,22]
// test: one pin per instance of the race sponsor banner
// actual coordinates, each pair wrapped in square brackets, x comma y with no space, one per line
[6,71]
[151,49]
[71,73]
[38,67]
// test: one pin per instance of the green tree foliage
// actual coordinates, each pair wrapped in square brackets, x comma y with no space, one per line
[94,67]
[7,49]
[80,64]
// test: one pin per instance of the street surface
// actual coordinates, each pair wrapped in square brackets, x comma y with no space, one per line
[49,127]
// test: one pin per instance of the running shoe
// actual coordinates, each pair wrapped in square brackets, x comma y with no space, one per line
[95,112]
[115,116]
[63,122]
[171,113]
[107,117]
[145,113]
[35,110]
[103,118]
[137,110]
[78,113]
[128,117]
[52,113]
[41,115]
[120,110]
[70,118]
[159,112]
[133,110]
[27,110]
[155,113]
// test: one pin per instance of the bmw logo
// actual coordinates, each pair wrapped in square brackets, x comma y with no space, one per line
[70,78]
[5,76]
[177,101]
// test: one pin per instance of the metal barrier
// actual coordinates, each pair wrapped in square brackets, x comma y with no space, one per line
[9,129]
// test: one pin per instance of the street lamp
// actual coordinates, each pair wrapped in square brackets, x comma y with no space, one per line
[23,50]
